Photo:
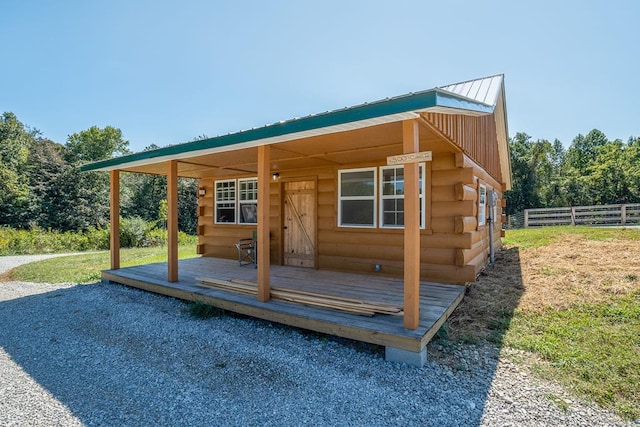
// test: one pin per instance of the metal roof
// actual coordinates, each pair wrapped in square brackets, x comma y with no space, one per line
[463,98]
[485,90]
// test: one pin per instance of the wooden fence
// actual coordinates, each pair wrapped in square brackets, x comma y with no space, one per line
[584,215]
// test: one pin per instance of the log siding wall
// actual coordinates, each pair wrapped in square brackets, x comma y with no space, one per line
[453,247]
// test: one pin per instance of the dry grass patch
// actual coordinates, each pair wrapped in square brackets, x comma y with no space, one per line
[577,270]
[570,297]
[572,269]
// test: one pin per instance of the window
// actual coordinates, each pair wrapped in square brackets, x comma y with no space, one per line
[392,197]
[225,201]
[248,201]
[482,204]
[357,197]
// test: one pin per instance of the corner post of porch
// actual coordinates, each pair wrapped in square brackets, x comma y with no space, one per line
[411,144]
[264,169]
[114,212]
[172,221]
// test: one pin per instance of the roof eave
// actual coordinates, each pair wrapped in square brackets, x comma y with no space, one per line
[384,111]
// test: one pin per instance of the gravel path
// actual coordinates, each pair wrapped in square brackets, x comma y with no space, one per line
[105,354]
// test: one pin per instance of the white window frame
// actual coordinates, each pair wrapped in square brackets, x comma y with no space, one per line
[247,201]
[373,197]
[482,205]
[421,185]
[218,203]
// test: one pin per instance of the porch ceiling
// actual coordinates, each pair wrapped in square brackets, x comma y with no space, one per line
[364,145]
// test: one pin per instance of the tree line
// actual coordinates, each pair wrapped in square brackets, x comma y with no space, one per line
[41,184]
[592,171]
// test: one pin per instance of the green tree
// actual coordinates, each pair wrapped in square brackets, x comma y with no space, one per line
[584,149]
[531,167]
[632,168]
[77,200]
[553,192]
[607,178]
[44,166]
[15,140]
[95,144]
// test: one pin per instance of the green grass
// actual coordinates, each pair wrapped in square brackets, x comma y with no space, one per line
[592,348]
[542,236]
[86,267]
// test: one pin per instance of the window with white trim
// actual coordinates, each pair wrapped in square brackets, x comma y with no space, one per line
[248,201]
[225,203]
[482,204]
[392,196]
[357,197]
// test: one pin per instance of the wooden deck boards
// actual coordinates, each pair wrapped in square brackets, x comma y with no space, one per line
[437,301]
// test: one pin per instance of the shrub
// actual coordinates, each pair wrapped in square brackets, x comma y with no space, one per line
[134,232]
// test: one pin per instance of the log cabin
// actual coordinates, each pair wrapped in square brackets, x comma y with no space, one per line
[392,194]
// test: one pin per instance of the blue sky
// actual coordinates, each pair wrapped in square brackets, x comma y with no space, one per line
[167,71]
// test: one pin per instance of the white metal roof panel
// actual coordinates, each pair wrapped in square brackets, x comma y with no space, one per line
[485,90]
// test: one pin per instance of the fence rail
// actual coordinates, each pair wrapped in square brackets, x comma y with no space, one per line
[628,214]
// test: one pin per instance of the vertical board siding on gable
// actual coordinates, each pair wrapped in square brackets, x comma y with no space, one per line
[477,136]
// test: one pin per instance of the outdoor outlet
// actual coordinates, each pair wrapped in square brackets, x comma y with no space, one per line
[377,267]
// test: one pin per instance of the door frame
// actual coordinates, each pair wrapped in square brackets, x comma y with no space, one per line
[282,196]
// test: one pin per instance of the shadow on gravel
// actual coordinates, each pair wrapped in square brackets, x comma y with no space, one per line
[484,314]
[75,344]
[115,355]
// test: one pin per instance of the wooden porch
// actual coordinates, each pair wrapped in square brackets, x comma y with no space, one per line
[437,301]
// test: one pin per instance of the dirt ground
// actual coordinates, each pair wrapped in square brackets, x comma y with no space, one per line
[570,270]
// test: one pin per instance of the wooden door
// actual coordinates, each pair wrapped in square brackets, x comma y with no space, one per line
[300,223]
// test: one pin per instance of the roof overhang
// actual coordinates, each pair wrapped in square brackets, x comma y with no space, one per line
[370,114]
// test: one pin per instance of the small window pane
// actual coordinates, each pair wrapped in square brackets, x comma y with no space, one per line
[248,213]
[225,202]
[248,189]
[357,212]
[360,183]
[393,212]
[226,213]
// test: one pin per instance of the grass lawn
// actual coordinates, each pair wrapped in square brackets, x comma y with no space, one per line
[86,267]
[571,297]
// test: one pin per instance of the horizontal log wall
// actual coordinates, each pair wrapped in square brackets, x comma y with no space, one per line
[454,249]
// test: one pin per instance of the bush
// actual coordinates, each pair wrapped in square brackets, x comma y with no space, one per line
[38,241]
[134,232]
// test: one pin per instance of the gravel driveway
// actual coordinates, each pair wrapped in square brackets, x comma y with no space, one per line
[105,354]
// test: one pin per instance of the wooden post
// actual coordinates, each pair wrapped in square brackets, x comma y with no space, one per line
[573,215]
[114,238]
[623,214]
[411,144]
[526,218]
[172,221]
[264,261]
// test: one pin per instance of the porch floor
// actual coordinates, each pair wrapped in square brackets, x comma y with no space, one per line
[437,301]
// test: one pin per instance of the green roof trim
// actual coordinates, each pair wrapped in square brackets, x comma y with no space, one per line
[386,107]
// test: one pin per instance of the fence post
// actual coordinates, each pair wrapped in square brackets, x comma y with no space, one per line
[526,218]
[573,215]
[623,214]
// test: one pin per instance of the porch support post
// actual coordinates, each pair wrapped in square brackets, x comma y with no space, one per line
[172,221]
[411,144]
[114,206]
[264,177]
